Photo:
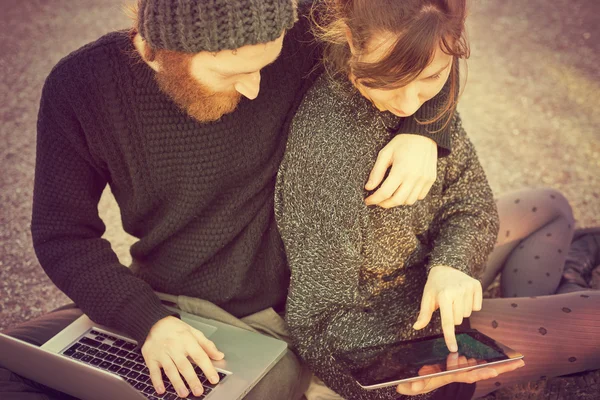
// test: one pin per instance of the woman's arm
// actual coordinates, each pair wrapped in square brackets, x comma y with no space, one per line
[466,226]
[463,231]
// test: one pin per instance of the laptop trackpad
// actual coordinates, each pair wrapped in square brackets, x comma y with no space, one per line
[207,329]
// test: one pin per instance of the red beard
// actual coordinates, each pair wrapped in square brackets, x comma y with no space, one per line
[201,103]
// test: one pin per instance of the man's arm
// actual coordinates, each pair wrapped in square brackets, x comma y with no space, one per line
[67,230]
[67,237]
[411,156]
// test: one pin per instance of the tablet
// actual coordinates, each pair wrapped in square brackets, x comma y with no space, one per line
[412,360]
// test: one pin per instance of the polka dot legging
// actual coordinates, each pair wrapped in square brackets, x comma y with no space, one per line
[558,334]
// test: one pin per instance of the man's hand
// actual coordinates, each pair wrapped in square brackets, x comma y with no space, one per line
[455,293]
[413,159]
[429,384]
[168,346]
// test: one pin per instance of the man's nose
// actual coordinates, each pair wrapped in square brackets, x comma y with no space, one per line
[249,85]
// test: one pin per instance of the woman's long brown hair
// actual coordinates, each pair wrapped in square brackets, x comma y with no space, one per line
[421,26]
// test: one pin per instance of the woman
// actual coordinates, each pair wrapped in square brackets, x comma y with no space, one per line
[358,273]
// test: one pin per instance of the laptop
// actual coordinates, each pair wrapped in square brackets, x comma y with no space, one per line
[93,362]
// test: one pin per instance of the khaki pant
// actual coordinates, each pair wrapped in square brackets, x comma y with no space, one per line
[269,323]
[288,379]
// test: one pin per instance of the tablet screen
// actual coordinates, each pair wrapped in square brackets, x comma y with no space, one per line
[408,359]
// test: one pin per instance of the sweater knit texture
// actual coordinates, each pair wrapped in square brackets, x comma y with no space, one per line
[358,272]
[192,26]
[198,196]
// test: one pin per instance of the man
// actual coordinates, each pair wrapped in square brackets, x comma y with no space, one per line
[185,117]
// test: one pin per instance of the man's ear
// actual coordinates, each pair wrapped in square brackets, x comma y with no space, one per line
[141,47]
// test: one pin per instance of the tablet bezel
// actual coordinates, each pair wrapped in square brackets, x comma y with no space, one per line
[509,355]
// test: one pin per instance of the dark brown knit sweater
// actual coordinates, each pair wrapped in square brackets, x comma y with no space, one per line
[198,196]
[358,272]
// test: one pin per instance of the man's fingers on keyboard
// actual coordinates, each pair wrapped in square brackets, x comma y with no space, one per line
[201,359]
[187,371]
[173,374]
[208,345]
[156,377]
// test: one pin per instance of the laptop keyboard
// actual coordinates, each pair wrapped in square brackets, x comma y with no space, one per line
[123,358]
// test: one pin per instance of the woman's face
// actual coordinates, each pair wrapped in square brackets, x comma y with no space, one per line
[406,100]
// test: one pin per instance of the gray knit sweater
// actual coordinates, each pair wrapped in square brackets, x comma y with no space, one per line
[358,272]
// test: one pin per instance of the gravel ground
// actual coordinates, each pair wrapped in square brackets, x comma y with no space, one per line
[529,106]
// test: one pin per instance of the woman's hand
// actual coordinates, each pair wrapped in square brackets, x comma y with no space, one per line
[479,374]
[456,295]
[413,159]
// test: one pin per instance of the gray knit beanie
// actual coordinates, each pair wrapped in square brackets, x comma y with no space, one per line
[192,26]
